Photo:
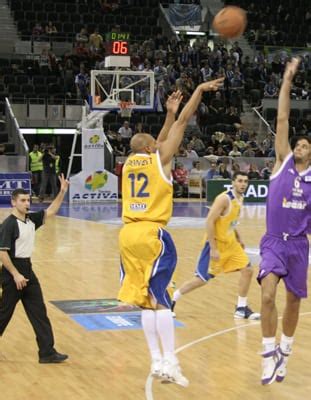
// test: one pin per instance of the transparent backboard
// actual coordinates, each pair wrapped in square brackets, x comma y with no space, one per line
[109,88]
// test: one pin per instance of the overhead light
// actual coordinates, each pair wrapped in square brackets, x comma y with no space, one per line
[193,33]
[48,131]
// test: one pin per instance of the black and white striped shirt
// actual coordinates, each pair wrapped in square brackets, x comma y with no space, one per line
[17,237]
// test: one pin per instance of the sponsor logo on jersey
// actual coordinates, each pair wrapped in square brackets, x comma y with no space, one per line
[294,204]
[138,206]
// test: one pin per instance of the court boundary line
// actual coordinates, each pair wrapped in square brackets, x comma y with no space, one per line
[149,381]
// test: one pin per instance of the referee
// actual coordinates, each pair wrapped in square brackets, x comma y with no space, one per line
[19,282]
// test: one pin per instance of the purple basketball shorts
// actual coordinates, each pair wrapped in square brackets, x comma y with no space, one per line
[288,259]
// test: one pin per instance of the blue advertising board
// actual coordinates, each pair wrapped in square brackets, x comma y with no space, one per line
[12,181]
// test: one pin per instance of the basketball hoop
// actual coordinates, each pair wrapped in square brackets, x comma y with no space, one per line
[126,108]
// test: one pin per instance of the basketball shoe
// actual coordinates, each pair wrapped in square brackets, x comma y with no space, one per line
[282,370]
[171,372]
[271,361]
[156,368]
[246,313]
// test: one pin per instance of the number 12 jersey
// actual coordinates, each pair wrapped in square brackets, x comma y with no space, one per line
[147,194]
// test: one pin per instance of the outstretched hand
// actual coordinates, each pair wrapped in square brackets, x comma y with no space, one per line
[212,86]
[173,102]
[291,68]
[64,183]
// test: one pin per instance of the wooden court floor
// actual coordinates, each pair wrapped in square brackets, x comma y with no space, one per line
[77,259]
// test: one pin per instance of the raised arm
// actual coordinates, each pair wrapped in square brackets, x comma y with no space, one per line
[56,203]
[282,147]
[172,105]
[175,136]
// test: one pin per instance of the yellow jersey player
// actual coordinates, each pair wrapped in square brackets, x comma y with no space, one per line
[148,255]
[223,249]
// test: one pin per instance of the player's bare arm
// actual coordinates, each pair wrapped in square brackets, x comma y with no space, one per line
[175,136]
[172,106]
[219,207]
[282,147]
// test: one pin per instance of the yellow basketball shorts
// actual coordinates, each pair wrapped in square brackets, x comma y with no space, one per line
[148,260]
[232,258]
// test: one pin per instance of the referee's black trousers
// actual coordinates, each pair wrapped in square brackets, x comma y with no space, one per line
[32,299]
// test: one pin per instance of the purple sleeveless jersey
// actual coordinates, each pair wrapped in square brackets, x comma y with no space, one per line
[289,201]
[284,248]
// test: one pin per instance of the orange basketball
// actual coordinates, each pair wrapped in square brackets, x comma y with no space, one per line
[230,22]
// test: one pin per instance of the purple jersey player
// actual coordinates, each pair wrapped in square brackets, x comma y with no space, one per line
[285,247]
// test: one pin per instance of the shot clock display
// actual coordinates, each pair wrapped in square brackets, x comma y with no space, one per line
[117,44]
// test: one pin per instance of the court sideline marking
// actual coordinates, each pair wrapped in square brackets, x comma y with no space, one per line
[148,384]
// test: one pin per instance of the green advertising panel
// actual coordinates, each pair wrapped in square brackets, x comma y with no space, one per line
[256,192]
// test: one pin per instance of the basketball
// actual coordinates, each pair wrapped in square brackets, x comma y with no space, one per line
[230,22]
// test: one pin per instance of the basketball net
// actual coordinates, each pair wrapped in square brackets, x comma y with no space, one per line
[126,108]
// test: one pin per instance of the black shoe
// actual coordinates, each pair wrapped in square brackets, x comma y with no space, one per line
[172,308]
[53,358]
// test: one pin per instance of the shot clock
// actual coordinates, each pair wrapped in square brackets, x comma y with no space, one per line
[117,44]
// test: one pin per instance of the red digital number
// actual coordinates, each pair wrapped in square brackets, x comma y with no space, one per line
[119,48]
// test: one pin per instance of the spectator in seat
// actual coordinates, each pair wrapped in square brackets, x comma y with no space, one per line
[270,90]
[223,172]
[231,117]
[182,152]
[50,29]
[118,146]
[212,172]
[81,50]
[235,151]
[82,36]
[82,82]
[190,152]
[126,131]
[220,152]
[227,143]
[239,143]
[37,31]
[196,168]
[44,62]
[252,141]
[267,171]
[210,151]
[217,105]
[235,167]
[253,172]
[248,152]
[180,180]
[198,145]
[96,41]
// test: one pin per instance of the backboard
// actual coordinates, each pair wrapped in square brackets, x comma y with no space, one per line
[109,87]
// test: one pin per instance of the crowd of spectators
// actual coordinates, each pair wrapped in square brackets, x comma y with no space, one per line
[277,23]
[217,128]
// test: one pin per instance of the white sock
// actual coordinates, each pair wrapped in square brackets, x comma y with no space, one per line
[268,344]
[177,295]
[242,301]
[166,332]
[148,321]
[286,343]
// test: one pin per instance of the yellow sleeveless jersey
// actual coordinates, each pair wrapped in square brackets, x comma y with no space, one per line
[147,194]
[225,225]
